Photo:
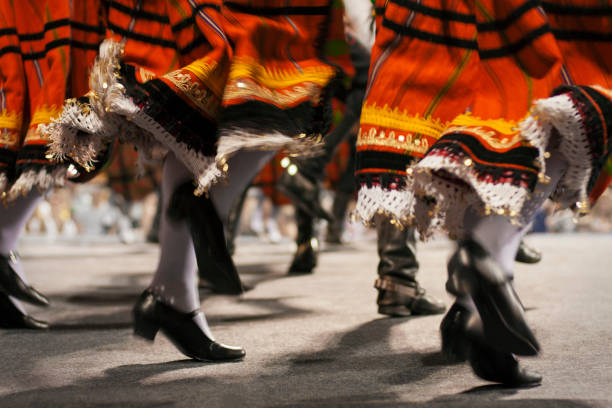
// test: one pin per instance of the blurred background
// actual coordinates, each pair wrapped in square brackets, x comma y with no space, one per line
[120,205]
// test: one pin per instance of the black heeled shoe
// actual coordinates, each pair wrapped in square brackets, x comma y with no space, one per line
[473,272]
[151,315]
[13,318]
[13,285]
[463,339]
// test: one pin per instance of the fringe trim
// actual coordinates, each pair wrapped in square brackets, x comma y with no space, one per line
[432,202]
[84,130]
[236,140]
[203,167]
[43,179]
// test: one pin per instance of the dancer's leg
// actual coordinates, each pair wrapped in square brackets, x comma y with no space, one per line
[498,235]
[243,167]
[491,312]
[175,278]
[13,218]
[172,302]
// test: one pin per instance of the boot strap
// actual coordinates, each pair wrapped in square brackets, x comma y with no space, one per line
[393,286]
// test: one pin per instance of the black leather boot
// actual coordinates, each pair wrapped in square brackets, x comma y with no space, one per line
[399,293]
[215,263]
[527,254]
[13,285]
[463,338]
[336,226]
[13,318]
[151,314]
[305,258]
[472,272]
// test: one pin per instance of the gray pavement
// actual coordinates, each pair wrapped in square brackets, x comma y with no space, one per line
[311,341]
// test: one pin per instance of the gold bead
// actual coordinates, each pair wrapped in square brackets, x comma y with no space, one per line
[467,162]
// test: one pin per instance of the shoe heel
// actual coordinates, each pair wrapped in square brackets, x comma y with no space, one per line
[145,328]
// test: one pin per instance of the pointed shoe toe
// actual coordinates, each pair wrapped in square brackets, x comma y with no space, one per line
[12,284]
[500,367]
[222,352]
[13,318]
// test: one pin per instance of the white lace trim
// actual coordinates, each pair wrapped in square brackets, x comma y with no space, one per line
[396,204]
[559,112]
[411,206]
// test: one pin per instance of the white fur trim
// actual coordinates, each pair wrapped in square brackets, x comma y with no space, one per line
[42,179]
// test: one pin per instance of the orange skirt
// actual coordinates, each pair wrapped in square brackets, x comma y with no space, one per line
[45,54]
[446,122]
[205,79]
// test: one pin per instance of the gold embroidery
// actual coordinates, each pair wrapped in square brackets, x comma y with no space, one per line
[395,119]
[246,88]
[498,133]
[206,71]
[506,127]
[45,114]
[202,97]
[10,120]
[249,68]
[398,141]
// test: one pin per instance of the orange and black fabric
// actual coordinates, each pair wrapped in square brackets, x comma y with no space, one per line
[207,78]
[46,49]
[257,64]
[451,82]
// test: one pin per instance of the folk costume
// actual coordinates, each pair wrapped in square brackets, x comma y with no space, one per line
[201,84]
[46,50]
[475,113]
